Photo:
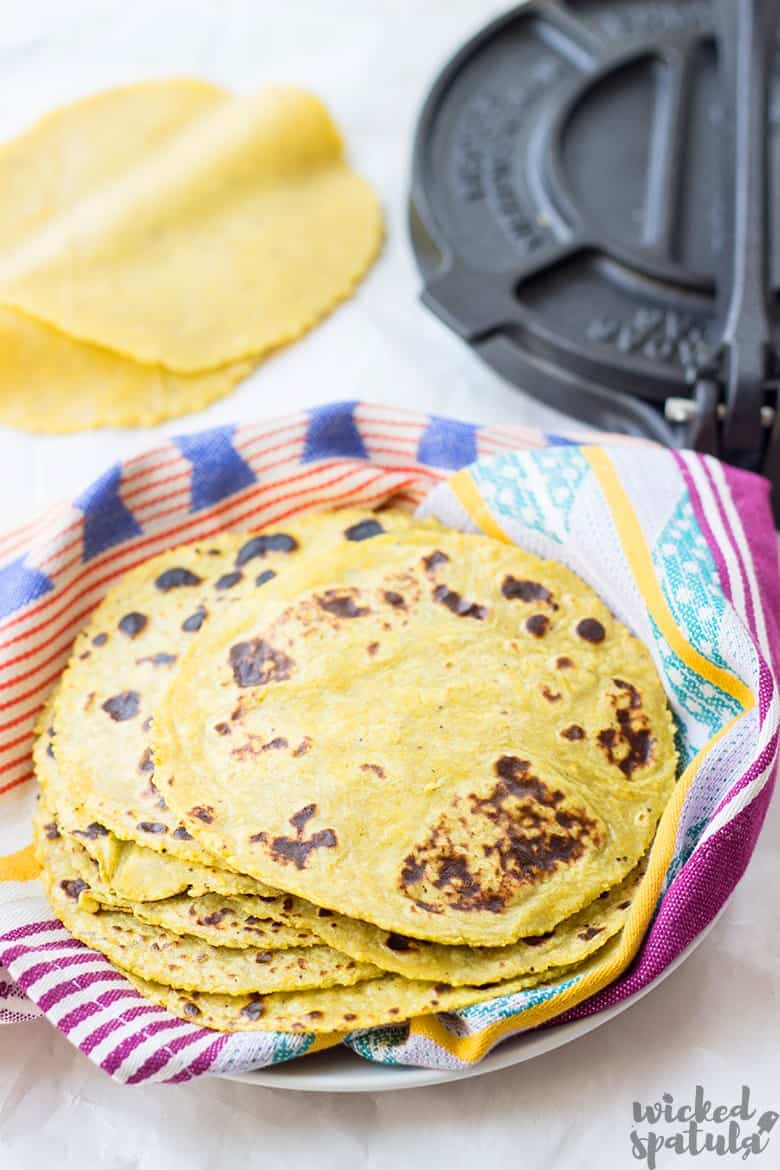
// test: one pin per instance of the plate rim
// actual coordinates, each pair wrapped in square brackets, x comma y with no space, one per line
[341,1070]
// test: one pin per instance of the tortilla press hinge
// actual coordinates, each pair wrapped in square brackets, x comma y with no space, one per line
[733,412]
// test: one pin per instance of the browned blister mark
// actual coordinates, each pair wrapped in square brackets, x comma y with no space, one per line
[297,849]
[520,589]
[203,812]
[256,663]
[260,546]
[160,659]
[342,603]
[303,746]
[550,695]
[537,624]
[485,848]
[630,745]
[364,530]
[73,887]
[146,763]
[176,579]
[433,560]
[123,706]
[456,604]
[253,1010]
[193,623]
[589,932]
[275,745]
[228,580]
[377,769]
[92,831]
[394,599]
[573,732]
[591,630]
[132,624]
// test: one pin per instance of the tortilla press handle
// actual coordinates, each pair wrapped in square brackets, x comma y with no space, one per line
[730,414]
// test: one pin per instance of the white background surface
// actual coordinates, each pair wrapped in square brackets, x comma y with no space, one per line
[716,1021]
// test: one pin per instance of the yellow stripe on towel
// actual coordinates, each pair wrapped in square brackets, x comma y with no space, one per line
[20,866]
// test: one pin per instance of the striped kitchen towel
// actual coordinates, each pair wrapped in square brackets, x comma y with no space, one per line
[681,547]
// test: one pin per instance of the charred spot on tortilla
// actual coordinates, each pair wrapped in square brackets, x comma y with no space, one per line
[521,589]
[591,630]
[523,837]
[146,763]
[342,603]
[432,561]
[590,932]
[92,831]
[456,604]
[176,579]
[266,542]
[630,745]
[193,623]
[364,530]
[256,662]
[123,706]
[537,624]
[298,848]
[73,887]
[228,580]
[394,599]
[132,624]
[159,659]
[204,812]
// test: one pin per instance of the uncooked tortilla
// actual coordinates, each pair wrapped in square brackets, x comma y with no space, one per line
[181,226]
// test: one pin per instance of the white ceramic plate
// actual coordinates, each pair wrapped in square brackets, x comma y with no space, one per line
[339,1070]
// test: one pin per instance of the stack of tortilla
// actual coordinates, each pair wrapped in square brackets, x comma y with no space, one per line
[157,240]
[349,771]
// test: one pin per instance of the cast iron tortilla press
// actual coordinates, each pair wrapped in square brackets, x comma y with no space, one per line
[595,209]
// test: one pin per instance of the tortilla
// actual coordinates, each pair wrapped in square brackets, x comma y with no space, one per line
[179,226]
[449,738]
[282,920]
[263,922]
[571,941]
[389,999]
[132,872]
[49,382]
[98,726]
[183,961]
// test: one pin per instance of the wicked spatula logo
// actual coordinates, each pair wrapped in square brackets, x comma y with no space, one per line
[699,1126]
